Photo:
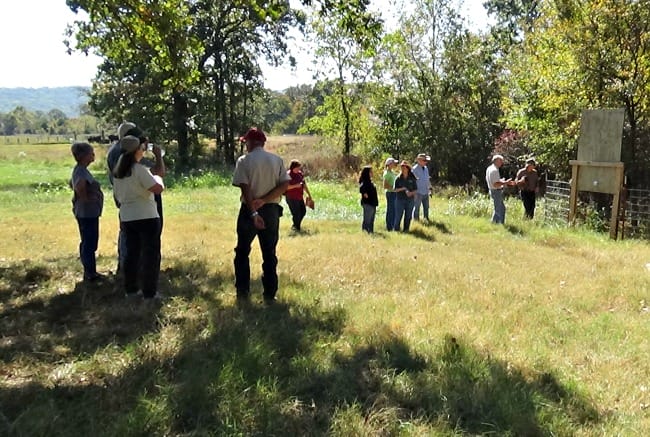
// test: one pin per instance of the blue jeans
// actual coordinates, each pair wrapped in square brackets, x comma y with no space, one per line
[142,256]
[403,207]
[421,199]
[268,239]
[499,215]
[390,210]
[89,233]
[368,223]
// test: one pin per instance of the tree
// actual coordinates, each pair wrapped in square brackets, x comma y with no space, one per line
[149,60]
[347,53]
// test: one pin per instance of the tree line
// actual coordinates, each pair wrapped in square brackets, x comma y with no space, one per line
[429,84]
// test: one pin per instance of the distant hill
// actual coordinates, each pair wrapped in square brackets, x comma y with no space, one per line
[68,99]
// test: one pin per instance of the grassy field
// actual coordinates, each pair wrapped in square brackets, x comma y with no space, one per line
[457,328]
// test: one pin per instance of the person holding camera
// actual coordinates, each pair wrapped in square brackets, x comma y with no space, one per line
[87,205]
[134,187]
[156,168]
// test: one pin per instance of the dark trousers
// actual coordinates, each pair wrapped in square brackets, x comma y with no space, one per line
[268,239]
[528,199]
[142,256]
[298,211]
[390,210]
[121,238]
[368,223]
[89,233]
[403,207]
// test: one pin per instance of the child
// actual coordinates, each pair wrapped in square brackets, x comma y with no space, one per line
[369,200]
[295,193]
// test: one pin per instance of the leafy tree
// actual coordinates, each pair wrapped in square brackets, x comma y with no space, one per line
[149,61]
[346,53]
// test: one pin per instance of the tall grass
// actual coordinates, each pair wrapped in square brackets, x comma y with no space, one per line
[457,328]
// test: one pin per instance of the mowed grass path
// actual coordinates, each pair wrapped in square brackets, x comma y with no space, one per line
[459,327]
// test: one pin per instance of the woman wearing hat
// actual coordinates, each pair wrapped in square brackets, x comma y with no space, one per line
[134,187]
[406,185]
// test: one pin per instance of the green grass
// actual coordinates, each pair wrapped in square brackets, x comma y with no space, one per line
[458,328]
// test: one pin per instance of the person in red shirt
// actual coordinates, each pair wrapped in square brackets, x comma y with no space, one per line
[295,194]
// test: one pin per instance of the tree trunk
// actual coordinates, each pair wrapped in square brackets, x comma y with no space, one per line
[180,113]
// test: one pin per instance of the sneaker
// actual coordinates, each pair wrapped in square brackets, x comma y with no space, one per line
[269,300]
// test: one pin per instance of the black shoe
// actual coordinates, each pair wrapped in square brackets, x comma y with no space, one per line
[96,277]
[269,300]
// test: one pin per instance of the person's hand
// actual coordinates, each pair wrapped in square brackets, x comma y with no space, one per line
[257,204]
[156,150]
[258,222]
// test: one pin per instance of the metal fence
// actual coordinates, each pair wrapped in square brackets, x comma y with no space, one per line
[556,201]
[634,220]
[634,214]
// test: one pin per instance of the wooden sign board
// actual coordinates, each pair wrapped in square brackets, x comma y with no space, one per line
[601,134]
[598,168]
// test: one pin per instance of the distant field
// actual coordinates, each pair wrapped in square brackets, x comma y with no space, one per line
[37,139]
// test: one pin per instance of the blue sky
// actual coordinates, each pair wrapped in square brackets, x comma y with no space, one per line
[33,54]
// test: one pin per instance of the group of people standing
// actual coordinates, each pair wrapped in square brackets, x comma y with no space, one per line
[406,192]
[137,189]
[527,180]
[262,180]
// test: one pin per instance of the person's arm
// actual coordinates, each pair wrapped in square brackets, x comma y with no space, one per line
[246,195]
[304,184]
[273,194]
[387,185]
[159,167]
[81,190]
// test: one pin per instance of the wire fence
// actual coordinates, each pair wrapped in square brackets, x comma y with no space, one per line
[556,201]
[634,214]
[634,221]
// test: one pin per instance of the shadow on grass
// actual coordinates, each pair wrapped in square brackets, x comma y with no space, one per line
[440,226]
[515,230]
[42,321]
[281,369]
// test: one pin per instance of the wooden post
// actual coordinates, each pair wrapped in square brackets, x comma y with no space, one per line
[573,200]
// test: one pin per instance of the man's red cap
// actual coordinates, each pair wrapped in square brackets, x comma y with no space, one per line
[254,134]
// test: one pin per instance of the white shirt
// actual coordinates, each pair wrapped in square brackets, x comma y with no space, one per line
[492,176]
[136,201]
[262,171]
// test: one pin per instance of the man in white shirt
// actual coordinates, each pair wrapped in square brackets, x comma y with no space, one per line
[495,184]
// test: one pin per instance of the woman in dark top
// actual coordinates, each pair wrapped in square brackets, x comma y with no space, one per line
[405,187]
[369,200]
[87,205]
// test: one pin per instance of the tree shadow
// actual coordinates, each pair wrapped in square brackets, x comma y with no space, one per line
[281,369]
[55,325]
[470,391]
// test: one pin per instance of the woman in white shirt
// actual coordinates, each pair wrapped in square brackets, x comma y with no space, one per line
[134,187]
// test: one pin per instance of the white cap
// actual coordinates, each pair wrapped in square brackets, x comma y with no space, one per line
[390,161]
